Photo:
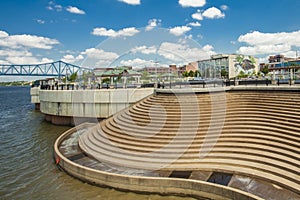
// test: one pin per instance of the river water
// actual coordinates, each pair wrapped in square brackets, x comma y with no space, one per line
[27,170]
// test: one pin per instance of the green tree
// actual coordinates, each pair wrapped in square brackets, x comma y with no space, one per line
[265,70]
[185,74]
[191,73]
[197,73]
[145,75]
[242,74]
[224,73]
[106,80]
[73,77]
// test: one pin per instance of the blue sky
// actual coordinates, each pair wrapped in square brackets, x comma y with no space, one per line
[93,32]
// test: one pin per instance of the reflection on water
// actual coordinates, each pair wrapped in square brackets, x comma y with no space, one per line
[27,170]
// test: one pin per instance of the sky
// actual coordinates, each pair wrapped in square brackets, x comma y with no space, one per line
[102,33]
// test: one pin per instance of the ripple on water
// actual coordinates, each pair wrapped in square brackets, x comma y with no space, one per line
[27,169]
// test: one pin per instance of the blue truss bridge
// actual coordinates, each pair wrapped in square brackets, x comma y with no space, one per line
[57,68]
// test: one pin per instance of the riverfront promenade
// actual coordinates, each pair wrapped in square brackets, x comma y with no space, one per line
[237,142]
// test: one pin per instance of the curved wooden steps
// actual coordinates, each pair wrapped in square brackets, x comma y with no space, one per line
[250,133]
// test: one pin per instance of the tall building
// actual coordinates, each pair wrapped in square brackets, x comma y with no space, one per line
[227,65]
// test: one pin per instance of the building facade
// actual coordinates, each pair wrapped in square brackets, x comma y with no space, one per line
[227,65]
[282,67]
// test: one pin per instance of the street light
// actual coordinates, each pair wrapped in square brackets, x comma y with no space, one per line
[155,65]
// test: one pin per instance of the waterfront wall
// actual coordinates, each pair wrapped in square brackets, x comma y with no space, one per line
[61,106]
[160,185]
[35,99]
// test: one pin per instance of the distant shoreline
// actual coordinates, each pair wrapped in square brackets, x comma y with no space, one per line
[15,83]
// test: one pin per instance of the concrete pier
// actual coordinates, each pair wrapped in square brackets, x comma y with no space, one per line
[234,143]
[62,106]
[35,98]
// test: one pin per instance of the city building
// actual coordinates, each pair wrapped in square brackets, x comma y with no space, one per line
[227,65]
[159,70]
[193,66]
[283,67]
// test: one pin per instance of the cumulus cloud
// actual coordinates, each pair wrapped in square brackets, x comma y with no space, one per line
[99,57]
[14,53]
[137,62]
[144,49]
[182,52]
[197,15]
[29,41]
[3,34]
[46,60]
[72,59]
[100,54]
[196,24]
[152,23]
[213,13]
[264,49]
[15,49]
[179,30]
[131,2]
[268,43]
[258,38]
[75,10]
[112,33]
[94,57]
[19,60]
[192,3]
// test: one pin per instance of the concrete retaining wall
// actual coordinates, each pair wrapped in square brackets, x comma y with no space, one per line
[169,186]
[87,103]
[34,93]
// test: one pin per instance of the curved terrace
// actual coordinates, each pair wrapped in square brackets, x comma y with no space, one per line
[219,145]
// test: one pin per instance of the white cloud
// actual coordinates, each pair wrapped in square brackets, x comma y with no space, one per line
[131,2]
[192,3]
[14,53]
[94,57]
[213,13]
[40,21]
[152,23]
[53,6]
[19,60]
[179,30]
[3,34]
[75,10]
[46,60]
[100,54]
[30,41]
[269,43]
[144,49]
[290,54]
[137,62]
[258,38]
[183,52]
[263,60]
[71,59]
[264,49]
[197,15]
[224,7]
[58,7]
[3,62]
[112,33]
[15,49]
[196,24]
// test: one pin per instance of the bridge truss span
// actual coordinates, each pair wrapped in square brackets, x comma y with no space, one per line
[58,68]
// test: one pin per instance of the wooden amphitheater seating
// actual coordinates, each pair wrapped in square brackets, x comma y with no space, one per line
[259,135]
